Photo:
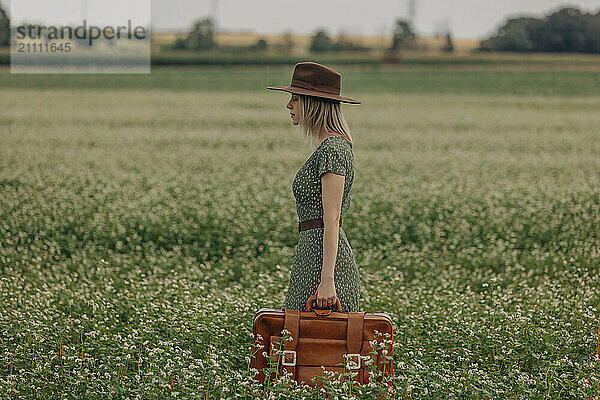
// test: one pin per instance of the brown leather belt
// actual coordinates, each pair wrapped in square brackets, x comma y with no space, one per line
[312,223]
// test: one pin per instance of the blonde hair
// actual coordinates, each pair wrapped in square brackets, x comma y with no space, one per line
[318,112]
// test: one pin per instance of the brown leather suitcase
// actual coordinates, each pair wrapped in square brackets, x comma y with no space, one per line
[320,337]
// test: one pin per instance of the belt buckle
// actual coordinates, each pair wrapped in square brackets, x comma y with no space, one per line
[291,363]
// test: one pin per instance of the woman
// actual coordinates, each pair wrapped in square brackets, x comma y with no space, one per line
[323,262]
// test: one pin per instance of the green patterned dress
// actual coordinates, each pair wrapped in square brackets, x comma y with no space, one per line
[335,155]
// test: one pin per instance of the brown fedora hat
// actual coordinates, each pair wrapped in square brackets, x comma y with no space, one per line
[312,79]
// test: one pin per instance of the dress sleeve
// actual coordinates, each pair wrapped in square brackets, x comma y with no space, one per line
[331,159]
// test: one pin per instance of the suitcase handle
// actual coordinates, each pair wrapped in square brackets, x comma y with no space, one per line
[313,298]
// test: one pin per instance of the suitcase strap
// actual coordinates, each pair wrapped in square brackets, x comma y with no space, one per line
[354,339]
[354,332]
[292,324]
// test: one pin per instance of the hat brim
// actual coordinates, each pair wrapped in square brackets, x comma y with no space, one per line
[314,93]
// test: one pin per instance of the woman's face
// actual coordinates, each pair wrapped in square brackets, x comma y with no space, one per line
[294,107]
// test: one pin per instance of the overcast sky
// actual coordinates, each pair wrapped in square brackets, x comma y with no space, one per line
[465,18]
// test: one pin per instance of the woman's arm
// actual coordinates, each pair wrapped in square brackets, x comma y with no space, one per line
[332,192]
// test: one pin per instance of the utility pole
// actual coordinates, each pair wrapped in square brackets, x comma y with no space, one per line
[84,9]
[412,10]
[214,9]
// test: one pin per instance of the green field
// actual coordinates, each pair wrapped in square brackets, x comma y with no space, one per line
[144,219]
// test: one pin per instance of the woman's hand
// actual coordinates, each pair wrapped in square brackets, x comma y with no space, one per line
[326,295]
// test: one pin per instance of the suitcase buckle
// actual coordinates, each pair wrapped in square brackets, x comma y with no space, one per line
[357,363]
[291,363]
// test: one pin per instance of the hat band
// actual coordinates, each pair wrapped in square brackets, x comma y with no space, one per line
[318,88]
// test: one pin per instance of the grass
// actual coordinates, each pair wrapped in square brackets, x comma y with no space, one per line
[465,57]
[356,80]
[145,219]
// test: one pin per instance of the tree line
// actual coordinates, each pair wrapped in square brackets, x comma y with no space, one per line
[202,37]
[566,30]
[4,28]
